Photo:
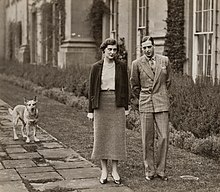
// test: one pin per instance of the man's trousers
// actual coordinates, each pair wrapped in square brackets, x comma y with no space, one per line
[161,122]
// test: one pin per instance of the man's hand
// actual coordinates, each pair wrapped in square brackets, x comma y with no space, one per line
[135,103]
[90,116]
[126,112]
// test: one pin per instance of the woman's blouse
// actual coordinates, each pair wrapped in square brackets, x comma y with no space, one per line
[108,76]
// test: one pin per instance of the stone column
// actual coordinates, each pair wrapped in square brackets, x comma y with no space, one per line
[24,51]
[78,48]
[2,29]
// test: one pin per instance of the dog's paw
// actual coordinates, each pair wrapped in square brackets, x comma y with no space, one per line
[24,136]
[15,138]
[36,139]
[27,140]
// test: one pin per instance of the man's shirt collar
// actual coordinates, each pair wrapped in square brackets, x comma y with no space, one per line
[150,59]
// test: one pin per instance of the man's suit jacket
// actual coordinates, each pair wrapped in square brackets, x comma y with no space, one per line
[151,89]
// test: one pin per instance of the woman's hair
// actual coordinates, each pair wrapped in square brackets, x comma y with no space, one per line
[148,38]
[108,41]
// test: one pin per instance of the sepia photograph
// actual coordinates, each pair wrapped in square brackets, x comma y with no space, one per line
[109,96]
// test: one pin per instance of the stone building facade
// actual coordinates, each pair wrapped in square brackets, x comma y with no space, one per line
[40,32]
[35,33]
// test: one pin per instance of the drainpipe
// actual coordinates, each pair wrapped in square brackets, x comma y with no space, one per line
[147,18]
[28,27]
[16,51]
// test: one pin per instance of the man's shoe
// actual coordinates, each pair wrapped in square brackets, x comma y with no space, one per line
[149,178]
[103,181]
[164,178]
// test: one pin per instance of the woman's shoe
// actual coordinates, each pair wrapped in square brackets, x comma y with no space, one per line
[103,181]
[164,177]
[116,181]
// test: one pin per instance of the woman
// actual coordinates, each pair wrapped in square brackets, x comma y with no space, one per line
[108,107]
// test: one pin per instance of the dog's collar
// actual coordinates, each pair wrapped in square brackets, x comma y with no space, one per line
[32,117]
[33,121]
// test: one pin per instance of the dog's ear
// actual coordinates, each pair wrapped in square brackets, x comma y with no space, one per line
[35,98]
[25,101]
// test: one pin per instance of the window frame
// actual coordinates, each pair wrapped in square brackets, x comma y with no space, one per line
[142,23]
[203,38]
[113,19]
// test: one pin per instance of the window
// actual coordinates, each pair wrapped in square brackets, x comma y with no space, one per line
[19,33]
[142,21]
[142,14]
[113,19]
[204,35]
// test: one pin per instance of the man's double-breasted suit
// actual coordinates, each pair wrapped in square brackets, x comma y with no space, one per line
[150,80]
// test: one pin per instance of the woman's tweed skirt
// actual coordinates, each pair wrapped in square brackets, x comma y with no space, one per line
[109,129]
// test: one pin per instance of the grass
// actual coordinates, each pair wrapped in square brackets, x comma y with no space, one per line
[71,127]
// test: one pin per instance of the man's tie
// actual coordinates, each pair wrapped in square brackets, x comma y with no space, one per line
[152,64]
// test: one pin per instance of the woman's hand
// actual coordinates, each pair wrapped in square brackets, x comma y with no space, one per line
[90,116]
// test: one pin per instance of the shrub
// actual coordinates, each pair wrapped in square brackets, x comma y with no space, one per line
[95,16]
[194,112]
[195,107]
[74,79]
[202,146]
[209,146]
[174,42]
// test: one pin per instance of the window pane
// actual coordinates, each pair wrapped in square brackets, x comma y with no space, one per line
[144,17]
[205,44]
[140,3]
[209,44]
[200,44]
[208,52]
[140,17]
[211,20]
[198,5]
[113,23]
[208,65]
[200,64]
[113,6]
[205,21]
[113,19]
[198,21]
[206,4]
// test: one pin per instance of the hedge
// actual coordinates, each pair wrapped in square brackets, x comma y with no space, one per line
[195,107]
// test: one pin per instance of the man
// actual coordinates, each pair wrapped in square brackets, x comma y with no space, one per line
[150,80]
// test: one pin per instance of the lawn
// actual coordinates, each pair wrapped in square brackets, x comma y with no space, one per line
[71,127]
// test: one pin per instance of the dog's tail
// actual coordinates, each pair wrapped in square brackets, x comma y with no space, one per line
[10,111]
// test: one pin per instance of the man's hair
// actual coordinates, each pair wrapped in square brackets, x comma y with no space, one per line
[108,41]
[148,38]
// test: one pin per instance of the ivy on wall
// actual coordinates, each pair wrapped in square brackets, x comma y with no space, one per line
[53,28]
[174,42]
[95,16]
[14,38]
[48,29]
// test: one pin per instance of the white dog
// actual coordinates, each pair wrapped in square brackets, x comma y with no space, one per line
[28,115]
